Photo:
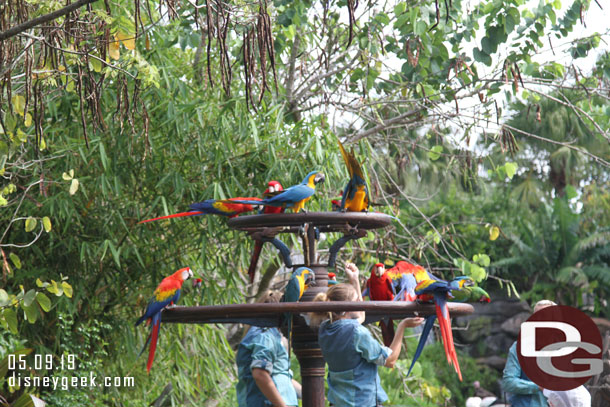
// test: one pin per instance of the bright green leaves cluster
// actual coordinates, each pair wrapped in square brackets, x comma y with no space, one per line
[33,303]
[474,269]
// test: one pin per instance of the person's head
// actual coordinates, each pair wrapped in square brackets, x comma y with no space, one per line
[270,296]
[543,304]
[339,292]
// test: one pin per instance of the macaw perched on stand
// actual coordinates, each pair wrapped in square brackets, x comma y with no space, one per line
[356,193]
[294,197]
[166,294]
[226,207]
[274,187]
[300,281]
[440,290]
[467,291]
[379,288]
[405,276]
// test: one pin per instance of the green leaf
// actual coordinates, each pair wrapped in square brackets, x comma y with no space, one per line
[43,301]
[29,298]
[488,45]
[3,297]
[511,169]
[67,289]
[16,260]
[400,8]
[31,312]
[24,401]
[571,192]
[10,317]
[435,153]
[46,222]
[481,56]
[420,27]
[30,224]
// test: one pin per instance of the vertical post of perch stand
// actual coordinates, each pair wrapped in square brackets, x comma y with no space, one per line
[306,347]
[305,341]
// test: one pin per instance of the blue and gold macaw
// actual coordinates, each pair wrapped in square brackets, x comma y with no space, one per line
[356,193]
[166,294]
[294,197]
[300,281]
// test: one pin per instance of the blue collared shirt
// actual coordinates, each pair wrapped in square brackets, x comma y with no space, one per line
[525,393]
[352,355]
[262,348]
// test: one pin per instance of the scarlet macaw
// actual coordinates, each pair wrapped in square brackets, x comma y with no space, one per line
[440,290]
[405,276]
[300,281]
[214,207]
[293,197]
[332,279]
[356,193]
[379,288]
[273,188]
[167,293]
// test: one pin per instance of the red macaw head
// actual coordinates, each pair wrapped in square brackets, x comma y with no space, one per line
[332,276]
[183,274]
[378,269]
[197,282]
[336,205]
[273,186]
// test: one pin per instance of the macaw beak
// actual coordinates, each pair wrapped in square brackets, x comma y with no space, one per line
[379,271]
[485,299]
[319,178]
[310,279]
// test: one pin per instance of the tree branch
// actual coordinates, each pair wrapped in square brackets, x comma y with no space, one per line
[11,32]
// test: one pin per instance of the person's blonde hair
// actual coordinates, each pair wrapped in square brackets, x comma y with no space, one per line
[338,292]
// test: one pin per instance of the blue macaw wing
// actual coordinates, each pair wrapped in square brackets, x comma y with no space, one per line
[290,196]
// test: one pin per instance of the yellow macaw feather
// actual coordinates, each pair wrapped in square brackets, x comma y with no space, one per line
[353,166]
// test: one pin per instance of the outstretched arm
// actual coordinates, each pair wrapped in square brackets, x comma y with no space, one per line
[396,344]
[352,273]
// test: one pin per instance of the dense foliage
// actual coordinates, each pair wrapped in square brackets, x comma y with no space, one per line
[494,162]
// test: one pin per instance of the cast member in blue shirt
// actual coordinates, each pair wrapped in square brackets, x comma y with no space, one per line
[523,392]
[263,367]
[351,352]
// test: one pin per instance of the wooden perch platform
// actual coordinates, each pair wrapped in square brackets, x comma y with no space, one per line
[270,314]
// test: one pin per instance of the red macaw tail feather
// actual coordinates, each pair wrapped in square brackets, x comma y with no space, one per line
[154,335]
[442,313]
[175,215]
[387,331]
[258,246]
